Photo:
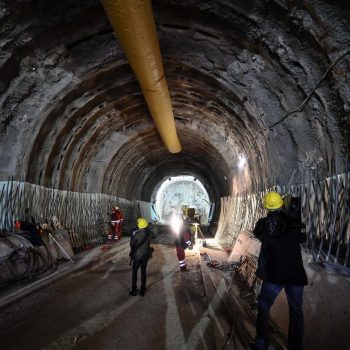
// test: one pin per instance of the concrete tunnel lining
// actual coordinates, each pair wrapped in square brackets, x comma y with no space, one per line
[176,192]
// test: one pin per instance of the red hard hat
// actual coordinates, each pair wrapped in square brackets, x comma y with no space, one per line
[17,225]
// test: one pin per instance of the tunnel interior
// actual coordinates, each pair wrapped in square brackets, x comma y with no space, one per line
[74,116]
[260,92]
[182,195]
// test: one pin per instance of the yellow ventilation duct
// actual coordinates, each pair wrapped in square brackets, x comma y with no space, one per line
[133,22]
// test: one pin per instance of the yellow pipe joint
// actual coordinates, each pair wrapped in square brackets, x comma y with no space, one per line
[133,22]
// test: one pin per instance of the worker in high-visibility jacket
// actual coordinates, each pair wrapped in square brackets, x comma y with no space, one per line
[182,242]
[116,222]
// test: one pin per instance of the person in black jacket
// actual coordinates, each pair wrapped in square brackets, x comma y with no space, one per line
[29,231]
[280,266]
[140,244]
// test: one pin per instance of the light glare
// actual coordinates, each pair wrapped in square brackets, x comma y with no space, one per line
[241,161]
[175,223]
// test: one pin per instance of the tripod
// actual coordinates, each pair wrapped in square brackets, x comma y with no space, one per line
[64,252]
[198,229]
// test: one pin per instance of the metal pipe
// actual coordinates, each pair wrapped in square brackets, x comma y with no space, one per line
[133,22]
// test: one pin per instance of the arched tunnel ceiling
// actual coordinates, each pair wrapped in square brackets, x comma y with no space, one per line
[73,115]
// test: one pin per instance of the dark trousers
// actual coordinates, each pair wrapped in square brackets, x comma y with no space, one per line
[266,298]
[136,264]
[180,252]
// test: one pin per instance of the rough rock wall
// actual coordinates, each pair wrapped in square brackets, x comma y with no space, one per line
[73,117]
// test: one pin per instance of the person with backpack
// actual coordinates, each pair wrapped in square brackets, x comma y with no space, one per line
[140,253]
[280,266]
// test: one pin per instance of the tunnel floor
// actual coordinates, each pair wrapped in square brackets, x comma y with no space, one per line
[93,310]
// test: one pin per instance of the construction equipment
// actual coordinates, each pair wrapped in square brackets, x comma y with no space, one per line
[61,248]
[198,229]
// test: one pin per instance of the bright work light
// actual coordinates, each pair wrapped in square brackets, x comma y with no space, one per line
[175,223]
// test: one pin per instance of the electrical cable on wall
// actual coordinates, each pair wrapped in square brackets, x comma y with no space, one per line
[299,108]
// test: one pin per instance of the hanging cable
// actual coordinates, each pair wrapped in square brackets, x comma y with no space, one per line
[299,108]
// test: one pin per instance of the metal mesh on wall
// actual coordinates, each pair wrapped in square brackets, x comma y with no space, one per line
[325,211]
[238,212]
[84,215]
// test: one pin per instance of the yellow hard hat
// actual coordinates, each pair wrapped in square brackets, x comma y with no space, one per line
[272,201]
[142,223]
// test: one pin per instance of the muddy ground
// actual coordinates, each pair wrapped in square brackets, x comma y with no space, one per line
[93,309]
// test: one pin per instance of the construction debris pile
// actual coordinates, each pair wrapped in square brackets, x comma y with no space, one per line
[28,253]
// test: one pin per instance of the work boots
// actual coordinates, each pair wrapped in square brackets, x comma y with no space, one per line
[133,292]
